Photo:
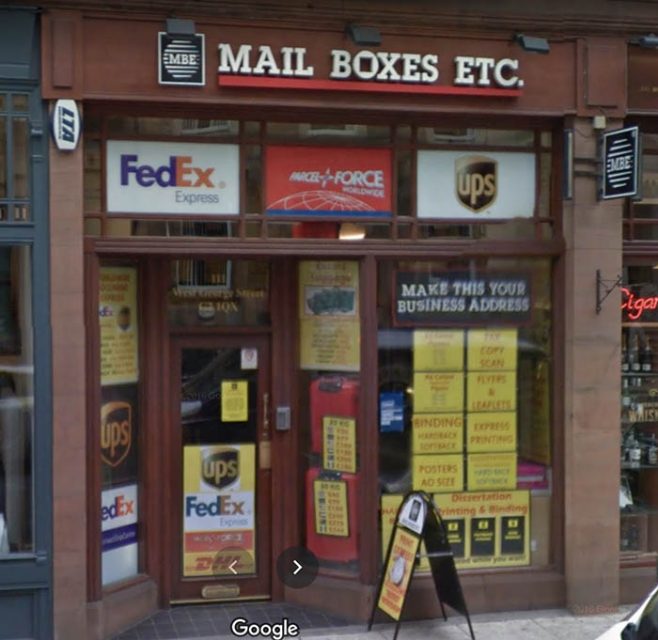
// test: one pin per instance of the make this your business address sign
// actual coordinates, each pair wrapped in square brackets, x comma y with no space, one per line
[461,298]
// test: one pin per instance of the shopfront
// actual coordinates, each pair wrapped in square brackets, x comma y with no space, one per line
[637,502]
[318,275]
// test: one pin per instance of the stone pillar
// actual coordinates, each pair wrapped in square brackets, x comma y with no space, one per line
[592,381]
[69,414]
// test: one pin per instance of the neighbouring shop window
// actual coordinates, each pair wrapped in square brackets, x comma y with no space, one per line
[119,420]
[214,292]
[641,216]
[464,410]
[638,489]
[329,361]
[16,401]
[14,158]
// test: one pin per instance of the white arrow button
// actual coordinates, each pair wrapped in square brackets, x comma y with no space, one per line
[298,567]
[231,569]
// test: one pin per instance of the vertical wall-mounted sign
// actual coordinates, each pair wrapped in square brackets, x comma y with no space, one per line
[181,59]
[65,124]
[620,150]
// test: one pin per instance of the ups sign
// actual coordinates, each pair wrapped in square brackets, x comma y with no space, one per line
[476,181]
[220,469]
[116,432]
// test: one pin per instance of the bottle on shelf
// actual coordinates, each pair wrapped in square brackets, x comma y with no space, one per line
[652,450]
[634,353]
[646,357]
[632,451]
[624,352]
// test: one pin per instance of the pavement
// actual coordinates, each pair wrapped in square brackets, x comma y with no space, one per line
[552,624]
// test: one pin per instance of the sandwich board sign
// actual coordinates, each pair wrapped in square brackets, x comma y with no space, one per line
[620,163]
[418,520]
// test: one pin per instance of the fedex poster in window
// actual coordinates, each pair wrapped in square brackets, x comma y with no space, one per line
[328,181]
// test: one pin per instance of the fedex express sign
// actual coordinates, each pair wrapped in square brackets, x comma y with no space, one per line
[170,177]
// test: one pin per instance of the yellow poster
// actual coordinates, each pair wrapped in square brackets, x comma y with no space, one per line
[438,432]
[487,471]
[329,315]
[438,350]
[117,319]
[330,344]
[235,401]
[330,503]
[398,572]
[219,484]
[492,349]
[438,473]
[328,288]
[438,392]
[389,508]
[495,527]
[339,444]
[494,431]
[491,391]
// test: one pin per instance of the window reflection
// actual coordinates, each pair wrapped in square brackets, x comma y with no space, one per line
[16,401]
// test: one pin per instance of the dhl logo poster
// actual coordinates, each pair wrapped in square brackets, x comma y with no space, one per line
[219,510]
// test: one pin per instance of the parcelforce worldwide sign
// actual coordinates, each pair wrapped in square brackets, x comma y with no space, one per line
[263,66]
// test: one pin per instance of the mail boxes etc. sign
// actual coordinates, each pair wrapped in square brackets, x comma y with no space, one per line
[431,299]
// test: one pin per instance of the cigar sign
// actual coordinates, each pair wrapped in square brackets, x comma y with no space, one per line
[289,67]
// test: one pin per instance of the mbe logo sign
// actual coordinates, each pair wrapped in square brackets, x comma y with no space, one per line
[181,59]
[620,163]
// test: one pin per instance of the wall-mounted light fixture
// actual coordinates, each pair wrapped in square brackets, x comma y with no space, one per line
[178,27]
[532,43]
[364,36]
[649,41]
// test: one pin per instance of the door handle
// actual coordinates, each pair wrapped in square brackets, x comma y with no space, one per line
[266,416]
[265,446]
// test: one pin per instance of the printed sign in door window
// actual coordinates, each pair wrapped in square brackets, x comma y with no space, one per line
[219,510]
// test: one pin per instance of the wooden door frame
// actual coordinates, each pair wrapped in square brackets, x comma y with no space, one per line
[172,531]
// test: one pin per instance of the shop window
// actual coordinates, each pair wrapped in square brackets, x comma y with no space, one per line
[16,401]
[195,127]
[464,402]
[475,137]
[641,216]
[15,180]
[118,319]
[329,361]
[638,493]
[212,293]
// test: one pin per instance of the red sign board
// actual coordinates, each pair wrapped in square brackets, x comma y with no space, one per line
[328,181]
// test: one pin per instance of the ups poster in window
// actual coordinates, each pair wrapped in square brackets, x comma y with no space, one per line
[119,421]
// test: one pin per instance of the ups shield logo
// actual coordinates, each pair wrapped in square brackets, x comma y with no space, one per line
[220,469]
[116,432]
[476,181]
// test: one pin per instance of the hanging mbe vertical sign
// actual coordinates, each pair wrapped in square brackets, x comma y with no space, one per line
[620,163]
